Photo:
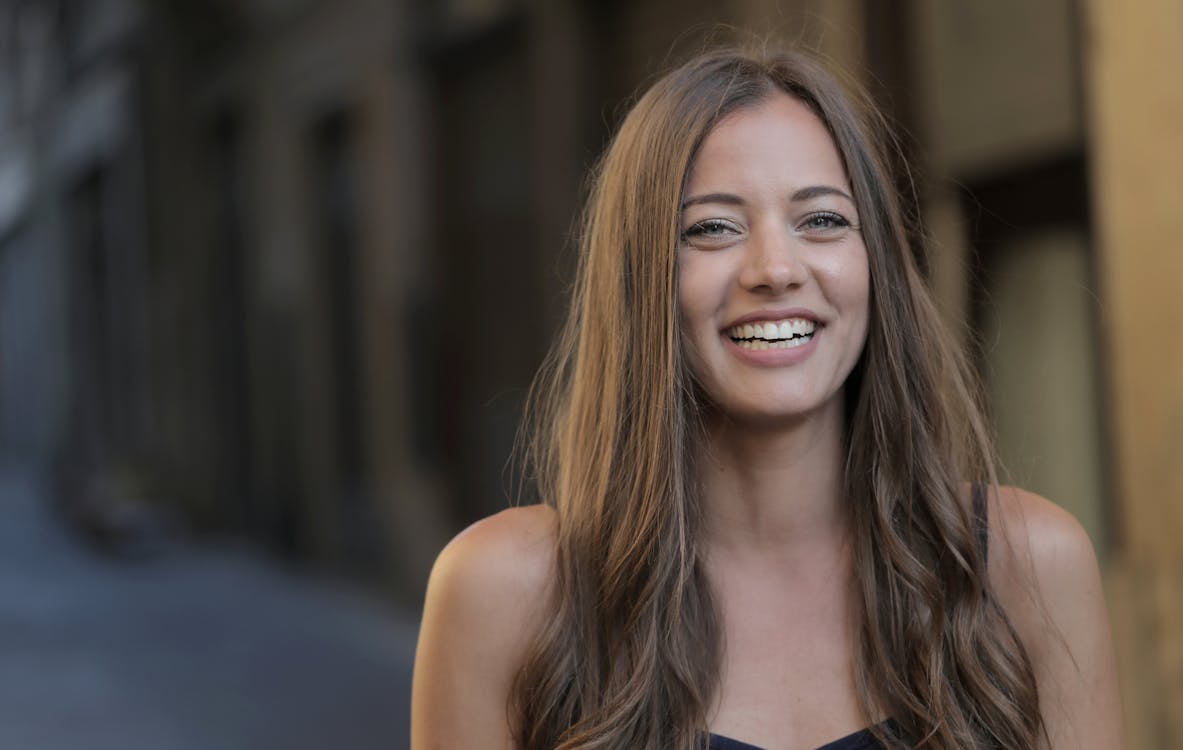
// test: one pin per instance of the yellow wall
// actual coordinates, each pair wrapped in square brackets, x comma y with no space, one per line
[1132,57]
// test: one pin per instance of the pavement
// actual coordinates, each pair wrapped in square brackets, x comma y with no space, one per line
[200,647]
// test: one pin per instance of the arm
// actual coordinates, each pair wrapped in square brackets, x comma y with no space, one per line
[484,600]
[1049,582]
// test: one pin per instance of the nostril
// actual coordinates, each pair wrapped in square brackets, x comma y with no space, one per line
[774,273]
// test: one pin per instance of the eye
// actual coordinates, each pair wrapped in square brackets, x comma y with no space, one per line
[709,230]
[824,223]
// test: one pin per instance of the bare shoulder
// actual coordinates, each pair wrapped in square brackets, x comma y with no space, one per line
[494,575]
[1044,571]
[1043,565]
[486,599]
[507,556]
[1041,544]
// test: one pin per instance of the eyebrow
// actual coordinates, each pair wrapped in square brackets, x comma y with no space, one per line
[730,199]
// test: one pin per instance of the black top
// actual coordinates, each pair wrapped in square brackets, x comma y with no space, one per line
[863,739]
[860,740]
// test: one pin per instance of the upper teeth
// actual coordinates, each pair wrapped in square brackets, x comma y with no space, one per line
[772,330]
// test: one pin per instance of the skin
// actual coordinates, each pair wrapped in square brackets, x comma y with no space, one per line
[779,562]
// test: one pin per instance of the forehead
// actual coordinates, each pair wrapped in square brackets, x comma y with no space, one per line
[778,139]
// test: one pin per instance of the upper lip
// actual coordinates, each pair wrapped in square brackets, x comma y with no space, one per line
[760,316]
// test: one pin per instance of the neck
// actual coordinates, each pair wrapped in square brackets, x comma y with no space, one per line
[774,487]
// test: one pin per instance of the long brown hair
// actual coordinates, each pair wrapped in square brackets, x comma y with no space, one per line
[629,656]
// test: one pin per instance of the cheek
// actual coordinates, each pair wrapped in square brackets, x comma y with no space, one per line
[850,279]
[694,295]
[846,279]
[860,292]
[695,291]
[859,297]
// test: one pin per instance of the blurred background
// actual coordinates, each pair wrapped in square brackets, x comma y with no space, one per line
[275,276]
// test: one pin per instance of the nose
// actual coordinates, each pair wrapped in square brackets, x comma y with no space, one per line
[772,262]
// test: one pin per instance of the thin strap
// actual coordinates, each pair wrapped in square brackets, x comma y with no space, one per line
[981,520]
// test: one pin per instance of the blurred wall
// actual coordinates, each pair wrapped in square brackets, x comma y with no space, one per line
[1135,115]
[286,267]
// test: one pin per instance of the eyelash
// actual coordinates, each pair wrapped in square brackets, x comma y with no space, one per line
[837,220]
[703,229]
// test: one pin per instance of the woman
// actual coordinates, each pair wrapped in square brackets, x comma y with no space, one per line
[766,515]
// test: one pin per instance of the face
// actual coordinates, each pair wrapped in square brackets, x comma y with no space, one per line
[773,280]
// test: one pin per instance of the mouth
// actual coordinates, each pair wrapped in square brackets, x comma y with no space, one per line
[773,334]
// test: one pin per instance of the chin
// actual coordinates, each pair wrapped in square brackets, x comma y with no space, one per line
[784,415]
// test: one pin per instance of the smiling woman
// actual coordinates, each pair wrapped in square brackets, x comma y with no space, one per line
[768,489]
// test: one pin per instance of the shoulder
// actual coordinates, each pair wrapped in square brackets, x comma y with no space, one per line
[507,555]
[486,598]
[493,575]
[1044,572]
[1040,539]
[1042,565]
[1045,557]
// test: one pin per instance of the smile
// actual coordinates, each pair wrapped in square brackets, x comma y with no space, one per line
[781,334]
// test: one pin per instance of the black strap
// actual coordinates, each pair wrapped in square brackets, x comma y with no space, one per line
[981,520]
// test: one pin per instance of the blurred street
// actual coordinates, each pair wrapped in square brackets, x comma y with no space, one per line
[198,648]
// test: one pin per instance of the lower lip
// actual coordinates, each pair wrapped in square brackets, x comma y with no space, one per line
[773,357]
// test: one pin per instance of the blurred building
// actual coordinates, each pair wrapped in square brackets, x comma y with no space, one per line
[286,267]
